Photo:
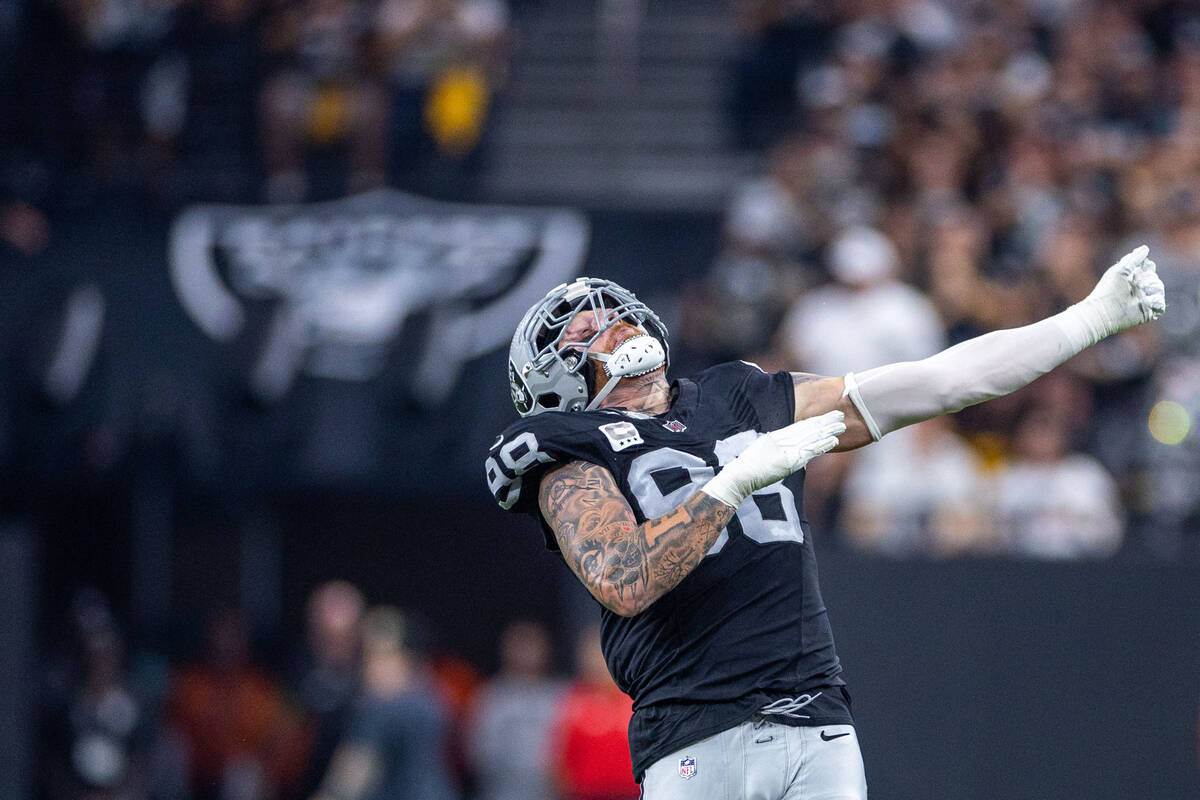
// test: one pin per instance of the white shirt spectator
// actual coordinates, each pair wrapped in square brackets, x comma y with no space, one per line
[763,216]
[918,490]
[1060,510]
[867,319]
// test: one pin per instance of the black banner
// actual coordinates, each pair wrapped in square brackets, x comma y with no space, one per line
[341,282]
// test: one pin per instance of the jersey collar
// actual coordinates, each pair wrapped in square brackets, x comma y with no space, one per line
[683,399]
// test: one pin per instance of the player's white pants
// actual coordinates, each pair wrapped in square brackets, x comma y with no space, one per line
[761,760]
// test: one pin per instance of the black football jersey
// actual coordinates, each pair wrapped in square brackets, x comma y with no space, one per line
[748,624]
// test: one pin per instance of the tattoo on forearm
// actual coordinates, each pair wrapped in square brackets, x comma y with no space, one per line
[626,566]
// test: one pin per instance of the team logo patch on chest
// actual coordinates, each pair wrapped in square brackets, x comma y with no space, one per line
[687,768]
[621,435]
[675,426]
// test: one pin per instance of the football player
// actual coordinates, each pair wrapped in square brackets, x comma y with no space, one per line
[678,505]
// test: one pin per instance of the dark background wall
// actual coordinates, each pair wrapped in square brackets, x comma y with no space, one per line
[1001,679]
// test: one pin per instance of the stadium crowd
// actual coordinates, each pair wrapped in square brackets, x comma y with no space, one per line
[938,170]
[362,709]
[173,101]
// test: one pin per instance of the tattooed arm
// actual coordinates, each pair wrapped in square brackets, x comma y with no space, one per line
[624,565]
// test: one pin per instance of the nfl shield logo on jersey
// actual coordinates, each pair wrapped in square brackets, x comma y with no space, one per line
[675,426]
[687,767]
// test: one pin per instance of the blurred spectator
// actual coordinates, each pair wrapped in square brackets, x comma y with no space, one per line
[395,747]
[779,40]
[509,739]
[326,681]
[966,300]
[1054,503]
[321,92]
[245,742]
[591,735]
[736,310]
[457,682]
[770,216]
[207,99]
[23,228]
[1169,460]
[99,735]
[444,61]
[867,319]
[116,43]
[919,490]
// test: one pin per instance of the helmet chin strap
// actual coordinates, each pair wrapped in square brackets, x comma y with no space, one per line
[640,355]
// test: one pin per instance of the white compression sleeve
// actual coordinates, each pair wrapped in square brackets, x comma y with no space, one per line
[1129,293]
[979,369]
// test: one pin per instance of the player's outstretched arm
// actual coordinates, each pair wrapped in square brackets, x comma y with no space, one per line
[886,398]
[624,565]
[627,566]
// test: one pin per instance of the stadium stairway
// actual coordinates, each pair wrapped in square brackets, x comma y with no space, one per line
[617,104]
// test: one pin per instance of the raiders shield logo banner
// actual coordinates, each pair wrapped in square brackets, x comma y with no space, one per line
[339,283]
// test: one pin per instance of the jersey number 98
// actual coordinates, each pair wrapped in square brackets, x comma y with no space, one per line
[663,479]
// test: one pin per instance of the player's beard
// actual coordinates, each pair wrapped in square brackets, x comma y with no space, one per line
[607,343]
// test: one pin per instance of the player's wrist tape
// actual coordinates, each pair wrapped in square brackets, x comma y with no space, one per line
[852,391]
[727,487]
[1086,323]
[774,456]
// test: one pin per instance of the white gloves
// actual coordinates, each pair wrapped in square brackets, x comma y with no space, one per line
[775,455]
[1128,294]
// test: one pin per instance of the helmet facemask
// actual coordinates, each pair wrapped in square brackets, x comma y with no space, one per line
[547,372]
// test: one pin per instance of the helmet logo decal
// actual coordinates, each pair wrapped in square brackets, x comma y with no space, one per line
[520,395]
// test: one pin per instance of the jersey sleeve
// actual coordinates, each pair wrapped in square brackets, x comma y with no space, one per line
[768,396]
[527,449]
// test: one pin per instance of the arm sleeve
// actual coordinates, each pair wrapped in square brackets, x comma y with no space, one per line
[1129,293]
[979,369]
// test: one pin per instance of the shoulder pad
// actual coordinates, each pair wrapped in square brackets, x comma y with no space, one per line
[527,446]
[744,385]
[729,375]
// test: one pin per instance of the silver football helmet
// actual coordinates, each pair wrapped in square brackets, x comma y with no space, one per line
[547,373]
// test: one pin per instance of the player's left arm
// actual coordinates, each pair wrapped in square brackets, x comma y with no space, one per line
[886,398]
